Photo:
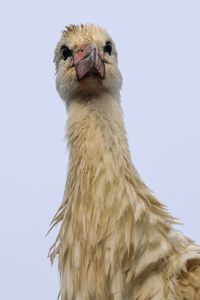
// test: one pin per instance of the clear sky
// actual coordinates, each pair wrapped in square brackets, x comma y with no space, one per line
[159,56]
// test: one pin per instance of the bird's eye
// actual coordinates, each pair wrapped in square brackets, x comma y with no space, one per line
[65,52]
[108,48]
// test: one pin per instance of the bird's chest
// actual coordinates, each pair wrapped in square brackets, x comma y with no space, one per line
[93,232]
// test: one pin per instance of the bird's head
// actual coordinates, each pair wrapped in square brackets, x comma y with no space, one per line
[86,62]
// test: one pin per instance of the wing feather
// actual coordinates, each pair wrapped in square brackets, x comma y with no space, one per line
[189,282]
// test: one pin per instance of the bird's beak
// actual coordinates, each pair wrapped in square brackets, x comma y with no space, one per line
[89,60]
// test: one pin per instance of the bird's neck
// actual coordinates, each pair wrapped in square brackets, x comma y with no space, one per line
[99,160]
[106,206]
[95,131]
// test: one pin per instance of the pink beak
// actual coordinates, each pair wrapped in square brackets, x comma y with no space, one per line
[88,60]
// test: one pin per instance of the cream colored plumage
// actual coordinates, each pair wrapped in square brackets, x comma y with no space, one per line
[116,240]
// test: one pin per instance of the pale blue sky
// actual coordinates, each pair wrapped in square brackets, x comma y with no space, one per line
[159,55]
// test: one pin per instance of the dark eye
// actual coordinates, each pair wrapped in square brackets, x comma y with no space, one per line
[108,48]
[65,52]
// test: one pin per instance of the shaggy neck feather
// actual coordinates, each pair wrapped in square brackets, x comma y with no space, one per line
[106,207]
[99,154]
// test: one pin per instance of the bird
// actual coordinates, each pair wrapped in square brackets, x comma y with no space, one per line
[116,240]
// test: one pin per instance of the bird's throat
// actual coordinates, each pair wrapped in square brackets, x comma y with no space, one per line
[95,131]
